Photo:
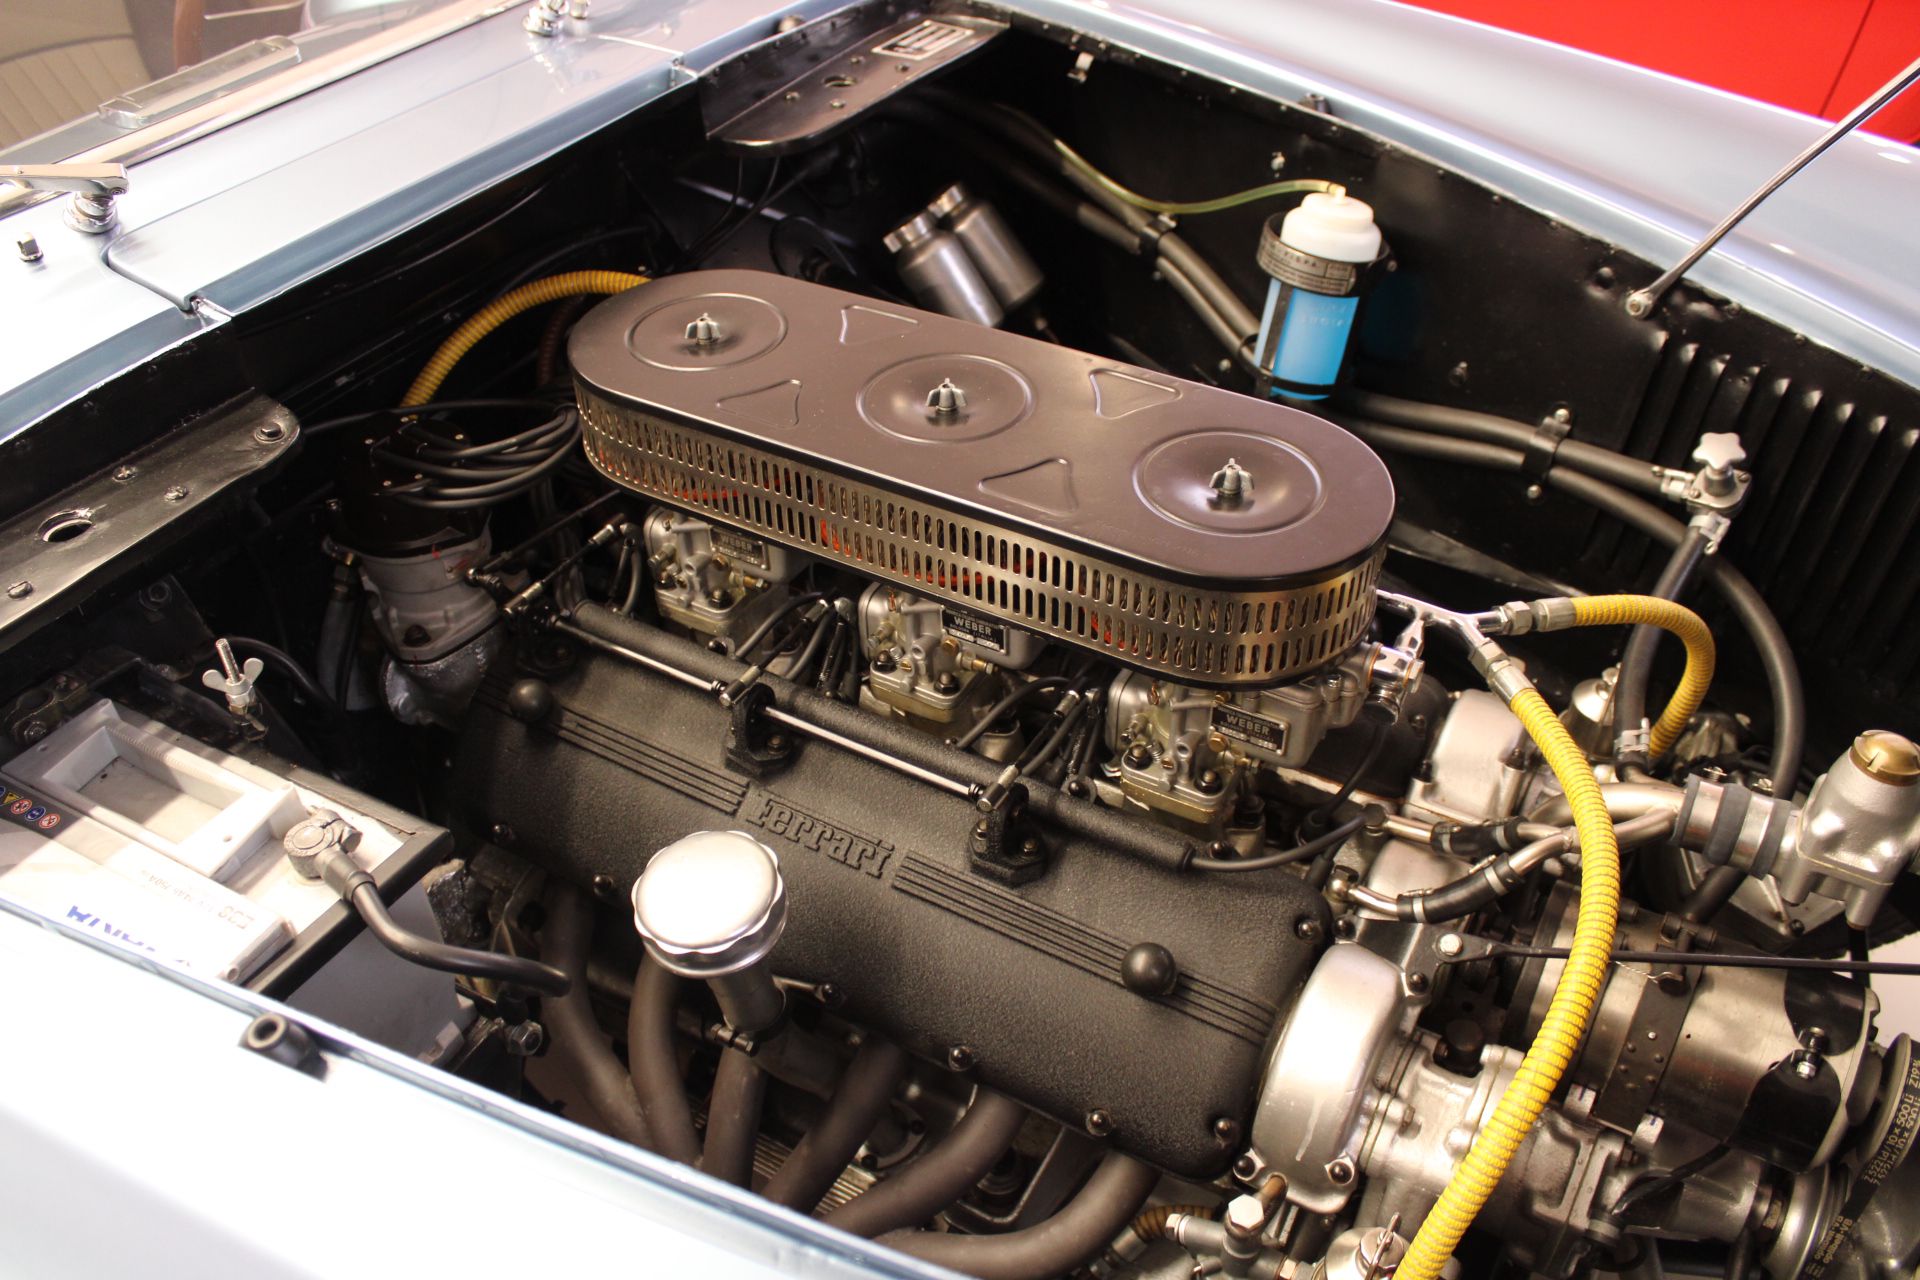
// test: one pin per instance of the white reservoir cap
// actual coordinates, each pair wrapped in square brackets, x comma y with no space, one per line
[1336,227]
[710,904]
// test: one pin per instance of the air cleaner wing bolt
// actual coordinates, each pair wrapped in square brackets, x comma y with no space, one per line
[1231,484]
[946,400]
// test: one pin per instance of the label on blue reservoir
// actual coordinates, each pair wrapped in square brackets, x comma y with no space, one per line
[1313,341]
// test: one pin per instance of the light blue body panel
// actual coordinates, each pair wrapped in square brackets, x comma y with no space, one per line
[141,1139]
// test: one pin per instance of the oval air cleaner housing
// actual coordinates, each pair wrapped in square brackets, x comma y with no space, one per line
[1200,535]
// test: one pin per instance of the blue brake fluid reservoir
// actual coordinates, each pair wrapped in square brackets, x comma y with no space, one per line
[1318,256]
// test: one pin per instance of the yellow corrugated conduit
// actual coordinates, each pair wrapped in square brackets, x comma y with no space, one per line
[1561,612]
[504,308]
[1585,973]
[1574,996]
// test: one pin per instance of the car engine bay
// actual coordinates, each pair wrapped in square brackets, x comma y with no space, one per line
[892,668]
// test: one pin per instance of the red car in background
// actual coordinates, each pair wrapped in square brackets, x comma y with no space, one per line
[1818,56]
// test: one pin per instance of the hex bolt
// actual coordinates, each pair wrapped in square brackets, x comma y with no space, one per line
[30,249]
[1806,1068]
[1450,944]
[1245,1216]
[525,1038]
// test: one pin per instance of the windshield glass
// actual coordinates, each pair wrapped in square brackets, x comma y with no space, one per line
[106,78]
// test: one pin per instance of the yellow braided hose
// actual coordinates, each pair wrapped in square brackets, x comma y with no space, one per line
[1568,1014]
[1680,621]
[504,308]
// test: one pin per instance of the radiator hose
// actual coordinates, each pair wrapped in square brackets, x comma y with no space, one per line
[504,308]
[1581,982]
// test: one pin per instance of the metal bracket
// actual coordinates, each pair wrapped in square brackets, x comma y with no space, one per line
[43,708]
[94,187]
[816,79]
[756,745]
[1005,847]
[53,555]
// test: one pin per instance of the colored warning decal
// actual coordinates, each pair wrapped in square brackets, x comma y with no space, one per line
[28,812]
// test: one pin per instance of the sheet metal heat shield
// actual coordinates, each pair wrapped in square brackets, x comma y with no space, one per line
[1068,495]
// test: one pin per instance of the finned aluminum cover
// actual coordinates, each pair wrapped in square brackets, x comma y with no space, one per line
[1067,494]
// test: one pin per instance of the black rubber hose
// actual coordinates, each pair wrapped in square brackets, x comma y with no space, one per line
[774,619]
[655,1069]
[857,1105]
[284,663]
[578,1042]
[733,1118]
[1043,749]
[1630,473]
[1776,653]
[424,410]
[1740,595]
[815,643]
[1020,694]
[1380,721]
[1108,1202]
[1481,888]
[941,1176]
[1636,662]
[431,954]
[1715,890]
[1286,857]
